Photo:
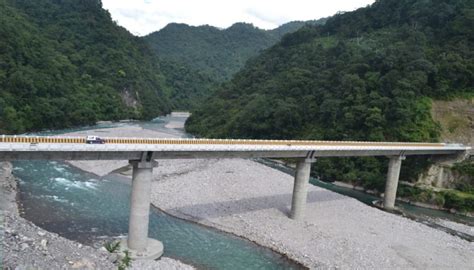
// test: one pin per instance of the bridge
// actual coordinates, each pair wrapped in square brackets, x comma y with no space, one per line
[142,153]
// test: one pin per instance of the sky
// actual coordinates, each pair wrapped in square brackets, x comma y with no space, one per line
[142,17]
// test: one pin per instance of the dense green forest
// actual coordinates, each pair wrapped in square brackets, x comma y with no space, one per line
[364,75]
[219,53]
[65,63]
[187,87]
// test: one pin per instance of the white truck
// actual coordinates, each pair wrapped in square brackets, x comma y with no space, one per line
[94,140]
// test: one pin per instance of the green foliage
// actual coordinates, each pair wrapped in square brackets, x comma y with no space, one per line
[465,171]
[465,168]
[125,262]
[112,247]
[365,75]
[66,63]
[460,201]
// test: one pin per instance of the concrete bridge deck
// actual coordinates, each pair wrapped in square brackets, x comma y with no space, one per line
[74,148]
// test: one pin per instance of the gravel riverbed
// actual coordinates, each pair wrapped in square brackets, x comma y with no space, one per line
[253,201]
[249,199]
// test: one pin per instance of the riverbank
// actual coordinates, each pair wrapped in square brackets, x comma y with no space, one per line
[252,200]
[462,227]
[405,200]
[26,246]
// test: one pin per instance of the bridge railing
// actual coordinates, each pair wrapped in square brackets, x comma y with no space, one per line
[122,140]
[40,139]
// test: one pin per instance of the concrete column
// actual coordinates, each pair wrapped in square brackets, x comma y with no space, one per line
[391,184]
[138,243]
[300,188]
[140,205]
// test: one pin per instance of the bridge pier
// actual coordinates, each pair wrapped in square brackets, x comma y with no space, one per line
[300,188]
[391,184]
[138,243]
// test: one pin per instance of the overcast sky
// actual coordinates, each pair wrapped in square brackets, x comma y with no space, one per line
[142,17]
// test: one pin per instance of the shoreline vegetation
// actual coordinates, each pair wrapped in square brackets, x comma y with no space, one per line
[421,196]
[409,200]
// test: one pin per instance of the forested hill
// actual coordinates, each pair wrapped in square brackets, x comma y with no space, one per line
[65,63]
[219,53]
[364,75]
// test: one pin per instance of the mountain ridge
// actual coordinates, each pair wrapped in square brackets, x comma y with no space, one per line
[215,51]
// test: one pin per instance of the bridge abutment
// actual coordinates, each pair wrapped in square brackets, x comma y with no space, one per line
[300,188]
[391,184]
[138,243]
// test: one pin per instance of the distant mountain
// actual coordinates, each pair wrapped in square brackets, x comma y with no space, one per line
[370,74]
[66,63]
[217,52]
[293,26]
[194,60]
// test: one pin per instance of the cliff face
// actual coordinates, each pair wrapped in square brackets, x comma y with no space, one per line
[456,118]
[444,175]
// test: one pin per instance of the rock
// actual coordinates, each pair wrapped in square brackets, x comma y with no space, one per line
[26,239]
[44,242]
[113,257]
[83,264]
[41,233]
[24,246]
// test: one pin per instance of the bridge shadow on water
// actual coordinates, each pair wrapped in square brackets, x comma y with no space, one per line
[281,202]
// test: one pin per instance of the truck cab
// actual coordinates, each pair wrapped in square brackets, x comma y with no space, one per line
[94,140]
